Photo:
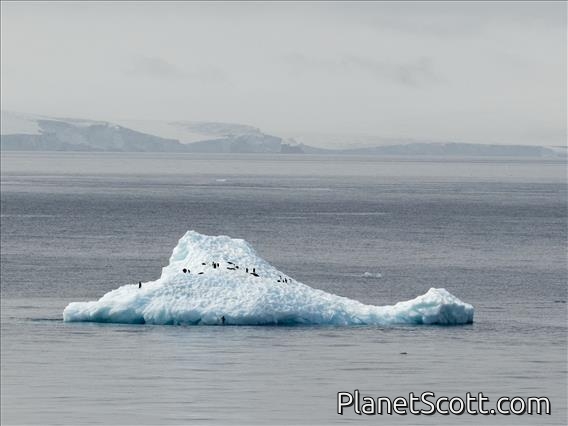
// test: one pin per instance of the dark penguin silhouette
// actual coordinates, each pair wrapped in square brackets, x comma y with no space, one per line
[139,284]
[203,263]
[247,270]
[184,270]
[223,320]
[200,273]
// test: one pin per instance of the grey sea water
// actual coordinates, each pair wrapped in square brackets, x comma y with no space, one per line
[74,226]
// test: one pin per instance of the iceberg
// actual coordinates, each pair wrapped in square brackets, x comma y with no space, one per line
[226,282]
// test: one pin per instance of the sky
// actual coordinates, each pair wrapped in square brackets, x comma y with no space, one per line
[480,72]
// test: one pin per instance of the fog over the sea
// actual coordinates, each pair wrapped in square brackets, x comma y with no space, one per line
[445,71]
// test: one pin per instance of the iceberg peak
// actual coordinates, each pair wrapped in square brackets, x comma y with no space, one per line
[214,278]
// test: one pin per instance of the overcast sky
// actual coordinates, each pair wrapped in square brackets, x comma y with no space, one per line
[473,72]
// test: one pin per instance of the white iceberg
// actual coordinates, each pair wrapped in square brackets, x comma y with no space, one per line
[228,293]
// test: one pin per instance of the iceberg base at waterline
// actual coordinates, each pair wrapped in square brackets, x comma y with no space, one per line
[219,280]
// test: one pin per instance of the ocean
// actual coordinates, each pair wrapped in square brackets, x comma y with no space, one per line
[74,226]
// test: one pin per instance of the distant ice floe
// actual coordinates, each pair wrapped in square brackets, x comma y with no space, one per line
[208,295]
[371,275]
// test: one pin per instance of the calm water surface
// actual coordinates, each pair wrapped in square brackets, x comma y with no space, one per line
[75,226]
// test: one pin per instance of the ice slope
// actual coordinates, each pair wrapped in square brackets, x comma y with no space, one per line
[242,298]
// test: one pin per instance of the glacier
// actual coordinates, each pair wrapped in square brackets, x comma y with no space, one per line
[208,294]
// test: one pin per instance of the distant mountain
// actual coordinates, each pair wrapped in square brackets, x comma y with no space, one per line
[217,137]
[456,150]
[27,132]
[37,133]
